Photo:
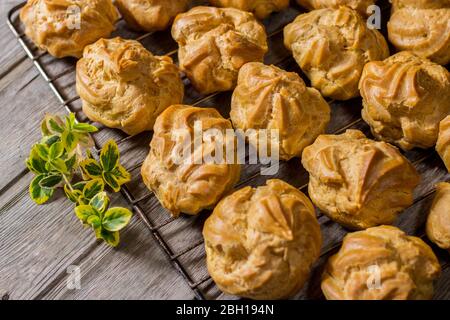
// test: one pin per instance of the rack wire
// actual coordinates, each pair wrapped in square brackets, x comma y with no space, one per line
[135,201]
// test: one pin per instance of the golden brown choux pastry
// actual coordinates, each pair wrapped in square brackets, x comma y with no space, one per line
[438,223]
[215,44]
[423,27]
[150,15]
[358,5]
[443,143]
[194,184]
[260,8]
[332,46]
[381,263]
[405,97]
[358,182]
[261,242]
[124,86]
[65,27]
[268,97]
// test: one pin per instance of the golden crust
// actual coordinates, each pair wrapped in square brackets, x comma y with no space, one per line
[358,182]
[358,5]
[260,8]
[438,223]
[187,186]
[423,27]
[215,44]
[151,15]
[268,97]
[405,97]
[332,46]
[443,142]
[48,26]
[260,243]
[124,86]
[406,267]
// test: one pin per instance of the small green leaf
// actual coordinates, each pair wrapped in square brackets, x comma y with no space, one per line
[94,221]
[73,196]
[50,181]
[50,140]
[111,181]
[35,163]
[58,165]
[116,219]
[91,168]
[38,194]
[84,128]
[93,187]
[109,156]
[70,163]
[121,174]
[100,202]
[79,186]
[83,212]
[70,121]
[51,125]
[56,124]
[69,140]
[111,238]
[56,150]
[42,150]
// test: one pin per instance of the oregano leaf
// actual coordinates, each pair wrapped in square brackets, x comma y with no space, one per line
[116,219]
[93,187]
[56,150]
[42,150]
[83,212]
[50,181]
[100,202]
[109,156]
[91,168]
[69,140]
[111,181]
[38,194]
[84,128]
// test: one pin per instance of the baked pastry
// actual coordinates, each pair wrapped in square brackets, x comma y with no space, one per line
[405,97]
[261,8]
[421,26]
[177,170]
[124,86]
[438,222]
[358,182]
[150,15]
[381,263]
[443,143]
[260,243]
[65,27]
[358,5]
[215,44]
[332,46]
[270,98]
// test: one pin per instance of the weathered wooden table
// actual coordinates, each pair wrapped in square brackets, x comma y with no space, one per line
[39,245]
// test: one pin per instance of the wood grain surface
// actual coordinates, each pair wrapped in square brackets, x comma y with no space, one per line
[39,243]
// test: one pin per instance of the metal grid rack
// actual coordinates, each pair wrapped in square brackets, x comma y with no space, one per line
[135,201]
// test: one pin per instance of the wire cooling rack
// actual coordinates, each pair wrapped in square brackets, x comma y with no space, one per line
[143,202]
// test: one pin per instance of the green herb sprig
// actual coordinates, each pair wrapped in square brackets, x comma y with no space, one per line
[62,159]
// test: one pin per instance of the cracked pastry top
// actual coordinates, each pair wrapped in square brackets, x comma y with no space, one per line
[404,98]
[122,85]
[423,27]
[177,168]
[270,98]
[215,43]
[332,46]
[151,15]
[358,182]
[260,8]
[438,222]
[65,27]
[443,142]
[381,263]
[358,5]
[261,242]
